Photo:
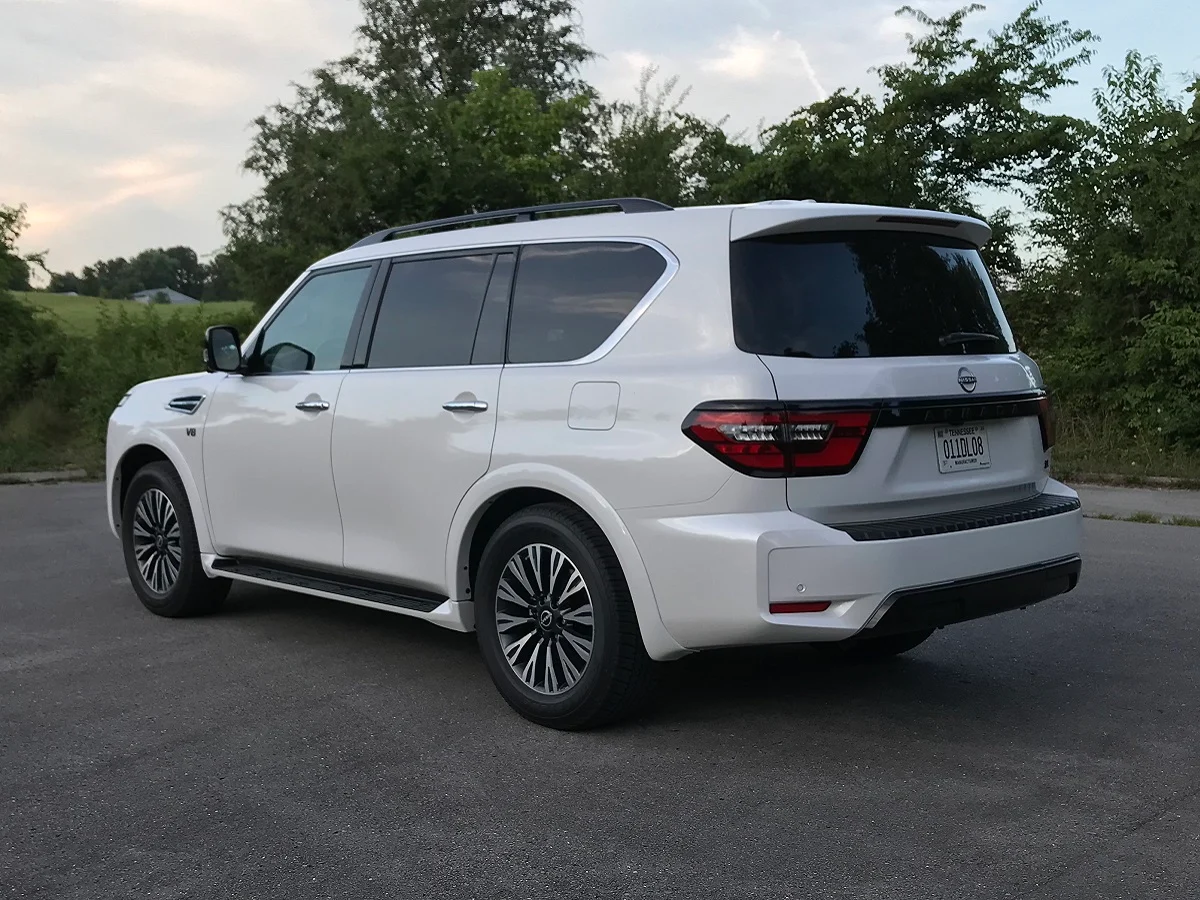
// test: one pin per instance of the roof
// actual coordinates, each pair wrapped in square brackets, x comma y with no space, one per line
[739,221]
[173,295]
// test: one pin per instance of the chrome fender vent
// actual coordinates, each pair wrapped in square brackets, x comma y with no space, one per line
[188,404]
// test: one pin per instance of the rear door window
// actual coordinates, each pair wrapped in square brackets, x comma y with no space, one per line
[429,312]
[864,294]
[568,298]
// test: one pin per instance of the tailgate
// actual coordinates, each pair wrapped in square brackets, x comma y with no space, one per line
[927,450]
[901,337]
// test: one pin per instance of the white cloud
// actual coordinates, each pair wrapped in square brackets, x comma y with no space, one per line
[750,57]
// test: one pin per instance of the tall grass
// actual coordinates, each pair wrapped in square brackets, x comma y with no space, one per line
[1099,442]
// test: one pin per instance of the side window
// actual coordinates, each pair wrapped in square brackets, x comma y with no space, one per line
[569,298]
[309,334]
[493,320]
[429,312]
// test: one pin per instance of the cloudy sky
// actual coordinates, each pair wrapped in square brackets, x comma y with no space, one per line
[123,122]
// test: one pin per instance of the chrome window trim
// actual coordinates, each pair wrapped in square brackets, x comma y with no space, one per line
[606,346]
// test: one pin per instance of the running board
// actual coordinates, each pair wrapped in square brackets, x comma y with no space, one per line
[346,586]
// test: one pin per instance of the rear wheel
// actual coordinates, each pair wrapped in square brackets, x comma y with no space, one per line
[161,553]
[556,624]
[872,649]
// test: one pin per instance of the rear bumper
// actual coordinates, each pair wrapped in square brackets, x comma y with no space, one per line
[917,609]
[715,577]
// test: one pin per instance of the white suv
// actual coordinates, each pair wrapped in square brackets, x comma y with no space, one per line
[606,440]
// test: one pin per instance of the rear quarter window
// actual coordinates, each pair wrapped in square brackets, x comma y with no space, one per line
[568,298]
[863,294]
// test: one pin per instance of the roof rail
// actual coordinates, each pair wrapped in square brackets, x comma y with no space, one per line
[520,214]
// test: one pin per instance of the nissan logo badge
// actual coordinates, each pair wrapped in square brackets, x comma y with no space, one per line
[967,379]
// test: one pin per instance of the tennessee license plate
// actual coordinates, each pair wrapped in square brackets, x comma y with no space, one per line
[962,448]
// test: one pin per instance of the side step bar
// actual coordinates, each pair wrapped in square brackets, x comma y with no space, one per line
[332,583]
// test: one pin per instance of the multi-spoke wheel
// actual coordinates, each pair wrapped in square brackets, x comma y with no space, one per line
[160,546]
[544,618]
[156,545]
[556,624]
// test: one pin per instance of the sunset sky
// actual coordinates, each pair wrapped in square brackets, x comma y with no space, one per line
[123,122]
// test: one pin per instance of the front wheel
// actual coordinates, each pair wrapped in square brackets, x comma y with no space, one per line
[556,624]
[161,553]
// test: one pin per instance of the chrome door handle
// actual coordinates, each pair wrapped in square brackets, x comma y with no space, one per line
[313,405]
[466,406]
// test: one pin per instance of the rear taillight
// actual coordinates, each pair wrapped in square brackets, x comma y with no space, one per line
[1046,421]
[771,441]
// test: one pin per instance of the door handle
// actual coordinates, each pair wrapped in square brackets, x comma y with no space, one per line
[466,406]
[313,405]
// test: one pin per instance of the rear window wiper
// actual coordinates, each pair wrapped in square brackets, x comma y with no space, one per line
[968,337]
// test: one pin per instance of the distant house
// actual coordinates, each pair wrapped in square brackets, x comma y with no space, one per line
[173,296]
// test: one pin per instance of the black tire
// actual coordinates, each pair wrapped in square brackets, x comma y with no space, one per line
[872,649]
[619,676]
[190,592]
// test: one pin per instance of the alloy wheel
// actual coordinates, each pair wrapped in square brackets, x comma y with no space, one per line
[156,541]
[544,619]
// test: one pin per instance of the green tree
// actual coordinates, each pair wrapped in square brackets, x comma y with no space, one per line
[178,268]
[30,342]
[652,148]
[220,280]
[15,269]
[1115,304]
[445,107]
[959,115]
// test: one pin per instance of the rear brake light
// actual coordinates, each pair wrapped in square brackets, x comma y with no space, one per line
[770,441]
[1046,421]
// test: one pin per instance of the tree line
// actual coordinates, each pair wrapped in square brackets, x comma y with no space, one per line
[454,106]
[177,268]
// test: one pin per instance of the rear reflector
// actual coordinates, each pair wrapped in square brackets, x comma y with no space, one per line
[771,441]
[807,606]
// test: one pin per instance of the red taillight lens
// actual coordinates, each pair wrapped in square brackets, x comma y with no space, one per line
[767,441]
[822,440]
[751,441]
[1046,421]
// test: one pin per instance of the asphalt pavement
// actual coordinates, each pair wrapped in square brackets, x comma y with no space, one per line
[292,748]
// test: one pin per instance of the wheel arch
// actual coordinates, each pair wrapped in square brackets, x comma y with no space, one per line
[142,450]
[504,492]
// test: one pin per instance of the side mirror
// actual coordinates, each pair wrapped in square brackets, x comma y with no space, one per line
[222,349]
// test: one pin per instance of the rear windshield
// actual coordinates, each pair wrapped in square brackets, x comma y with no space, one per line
[864,293]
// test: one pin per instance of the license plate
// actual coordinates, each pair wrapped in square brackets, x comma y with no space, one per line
[962,448]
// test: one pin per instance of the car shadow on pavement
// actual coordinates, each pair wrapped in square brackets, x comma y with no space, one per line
[779,688]
[769,684]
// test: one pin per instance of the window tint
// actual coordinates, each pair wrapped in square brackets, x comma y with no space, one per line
[569,297]
[493,320]
[309,334]
[429,312]
[862,294]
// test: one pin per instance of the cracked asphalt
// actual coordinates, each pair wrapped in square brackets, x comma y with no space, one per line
[292,748]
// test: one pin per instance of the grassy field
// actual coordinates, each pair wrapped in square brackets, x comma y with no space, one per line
[78,315]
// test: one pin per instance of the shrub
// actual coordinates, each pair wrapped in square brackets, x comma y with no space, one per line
[30,346]
[131,345]
[1162,393]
